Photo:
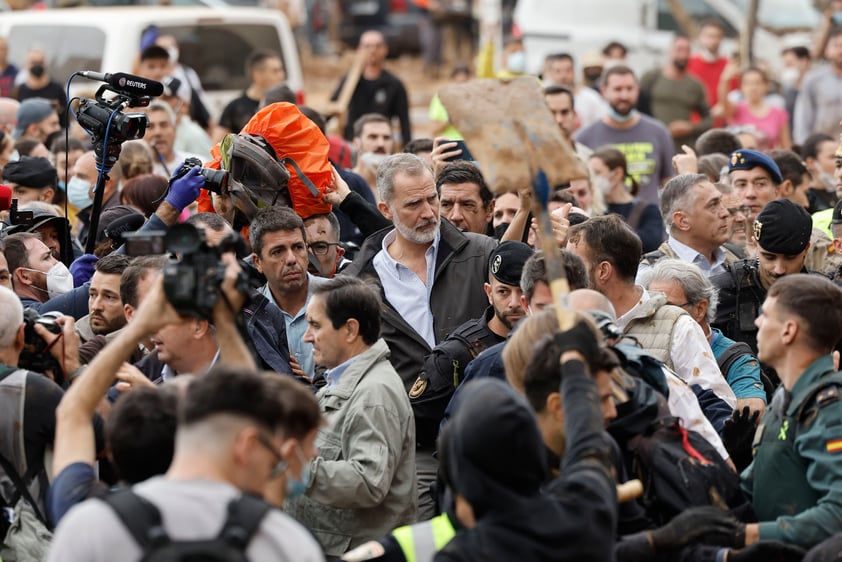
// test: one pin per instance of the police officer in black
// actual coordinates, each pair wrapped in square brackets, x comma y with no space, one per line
[445,366]
[782,232]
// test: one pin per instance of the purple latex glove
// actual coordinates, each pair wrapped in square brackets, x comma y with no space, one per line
[185,189]
[82,269]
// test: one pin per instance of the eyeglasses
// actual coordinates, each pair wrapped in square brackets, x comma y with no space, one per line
[686,304]
[744,209]
[321,248]
[281,466]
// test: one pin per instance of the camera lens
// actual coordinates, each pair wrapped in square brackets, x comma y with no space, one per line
[183,239]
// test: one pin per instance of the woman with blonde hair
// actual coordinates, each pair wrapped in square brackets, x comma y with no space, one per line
[136,159]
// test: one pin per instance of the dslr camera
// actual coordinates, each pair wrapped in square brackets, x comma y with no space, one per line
[215,180]
[192,284]
[35,356]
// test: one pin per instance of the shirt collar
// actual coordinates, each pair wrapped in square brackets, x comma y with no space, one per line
[392,236]
[168,373]
[332,376]
[312,283]
[688,254]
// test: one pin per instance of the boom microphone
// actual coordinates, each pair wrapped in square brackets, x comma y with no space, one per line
[129,83]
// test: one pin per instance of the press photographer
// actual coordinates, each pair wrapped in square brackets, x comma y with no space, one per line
[28,402]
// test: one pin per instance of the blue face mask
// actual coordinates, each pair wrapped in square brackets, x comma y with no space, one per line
[78,193]
[612,113]
[296,487]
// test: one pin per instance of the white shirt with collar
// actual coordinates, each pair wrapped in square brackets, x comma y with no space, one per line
[689,255]
[409,295]
[692,356]
[167,372]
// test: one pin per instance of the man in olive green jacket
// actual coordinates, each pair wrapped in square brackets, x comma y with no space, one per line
[362,485]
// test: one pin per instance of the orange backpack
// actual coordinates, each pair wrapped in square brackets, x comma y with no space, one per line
[279,158]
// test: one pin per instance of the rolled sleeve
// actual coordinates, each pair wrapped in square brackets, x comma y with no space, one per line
[744,378]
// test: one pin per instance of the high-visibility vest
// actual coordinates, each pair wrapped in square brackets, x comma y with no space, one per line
[421,541]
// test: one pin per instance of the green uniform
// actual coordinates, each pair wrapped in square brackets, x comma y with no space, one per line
[795,481]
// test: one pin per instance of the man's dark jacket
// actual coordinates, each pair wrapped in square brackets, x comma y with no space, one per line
[456,297]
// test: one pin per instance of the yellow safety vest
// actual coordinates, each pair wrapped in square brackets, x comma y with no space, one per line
[421,541]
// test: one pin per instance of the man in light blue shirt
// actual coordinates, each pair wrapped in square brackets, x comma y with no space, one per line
[363,482]
[279,242]
[698,224]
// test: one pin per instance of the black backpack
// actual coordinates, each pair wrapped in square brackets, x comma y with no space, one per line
[680,469]
[143,520]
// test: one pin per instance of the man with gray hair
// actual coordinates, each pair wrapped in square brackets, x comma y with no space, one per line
[687,287]
[430,274]
[160,135]
[698,225]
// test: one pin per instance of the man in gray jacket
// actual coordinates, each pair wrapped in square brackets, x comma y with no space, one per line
[362,485]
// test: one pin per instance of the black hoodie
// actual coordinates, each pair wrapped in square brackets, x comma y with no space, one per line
[496,461]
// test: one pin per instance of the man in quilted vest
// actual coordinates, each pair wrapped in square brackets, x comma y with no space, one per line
[611,252]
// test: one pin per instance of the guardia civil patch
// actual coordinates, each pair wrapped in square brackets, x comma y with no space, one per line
[834,446]
[421,385]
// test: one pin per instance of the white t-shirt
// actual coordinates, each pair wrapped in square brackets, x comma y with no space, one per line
[190,510]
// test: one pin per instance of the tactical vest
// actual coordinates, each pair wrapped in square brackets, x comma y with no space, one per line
[740,297]
[654,332]
[732,254]
[780,484]
[421,541]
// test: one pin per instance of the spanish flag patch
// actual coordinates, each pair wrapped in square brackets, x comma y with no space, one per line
[834,446]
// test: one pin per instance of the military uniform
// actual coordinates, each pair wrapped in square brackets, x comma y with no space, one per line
[795,481]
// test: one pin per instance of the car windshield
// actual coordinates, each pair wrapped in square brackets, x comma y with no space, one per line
[218,52]
[68,48]
[785,15]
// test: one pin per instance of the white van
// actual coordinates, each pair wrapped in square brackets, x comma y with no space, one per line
[646,27]
[213,41]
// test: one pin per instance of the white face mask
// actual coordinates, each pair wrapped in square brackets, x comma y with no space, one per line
[516,63]
[59,280]
[603,184]
[173,54]
[78,193]
[708,56]
[790,76]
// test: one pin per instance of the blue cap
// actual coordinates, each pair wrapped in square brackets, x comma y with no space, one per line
[746,159]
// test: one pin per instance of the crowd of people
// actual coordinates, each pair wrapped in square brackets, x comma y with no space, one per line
[361,357]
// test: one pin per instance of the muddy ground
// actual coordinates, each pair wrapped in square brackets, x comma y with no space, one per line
[322,74]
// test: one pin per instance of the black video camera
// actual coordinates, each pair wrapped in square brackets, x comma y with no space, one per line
[192,284]
[35,356]
[215,180]
[105,121]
